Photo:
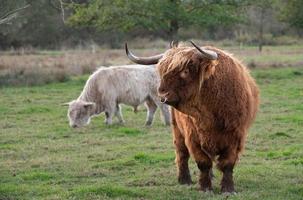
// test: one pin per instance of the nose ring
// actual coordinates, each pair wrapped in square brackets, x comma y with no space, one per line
[163,100]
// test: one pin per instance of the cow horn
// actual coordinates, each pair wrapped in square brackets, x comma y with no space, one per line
[174,44]
[142,60]
[206,53]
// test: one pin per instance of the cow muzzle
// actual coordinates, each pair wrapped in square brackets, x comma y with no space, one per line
[74,126]
[163,100]
[168,101]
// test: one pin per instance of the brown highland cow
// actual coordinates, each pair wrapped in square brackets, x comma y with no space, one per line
[214,101]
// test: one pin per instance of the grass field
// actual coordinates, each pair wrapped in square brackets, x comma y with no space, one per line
[42,158]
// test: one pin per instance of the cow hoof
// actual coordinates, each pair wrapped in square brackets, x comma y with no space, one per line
[206,190]
[185,180]
[228,189]
[226,194]
[205,182]
[148,123]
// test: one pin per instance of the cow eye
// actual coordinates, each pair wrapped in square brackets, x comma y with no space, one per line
[184,73]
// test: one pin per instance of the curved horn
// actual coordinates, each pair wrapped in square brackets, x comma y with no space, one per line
[206,53]
[174,44]
[142,60]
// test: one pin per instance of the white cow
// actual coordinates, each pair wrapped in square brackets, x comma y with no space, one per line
[109,86]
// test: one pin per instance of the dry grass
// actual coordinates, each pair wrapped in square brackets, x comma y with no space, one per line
[55,66]
[33,67]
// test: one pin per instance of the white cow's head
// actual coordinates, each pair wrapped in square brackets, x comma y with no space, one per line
[79,112]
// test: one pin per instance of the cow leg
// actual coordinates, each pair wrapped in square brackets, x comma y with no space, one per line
[182,156]
[204,163]
[108,118]
[118,114]
[226,163]
[164,110]
[151,109]
[109,113]
[165,113]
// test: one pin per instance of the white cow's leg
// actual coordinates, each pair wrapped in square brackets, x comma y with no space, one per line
[164,110]
[165,113]
[118,114]
[109,113]
[108,118]
[151,109]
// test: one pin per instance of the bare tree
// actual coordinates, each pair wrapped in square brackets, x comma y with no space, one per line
[263,6]
[60,8]
[7,17]
[62,11]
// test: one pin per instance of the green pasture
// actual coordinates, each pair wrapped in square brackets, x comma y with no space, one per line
[42,158]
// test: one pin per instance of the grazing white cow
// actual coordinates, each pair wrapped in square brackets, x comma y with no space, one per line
[109,86]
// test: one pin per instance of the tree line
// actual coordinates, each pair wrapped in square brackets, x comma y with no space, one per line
[55,23]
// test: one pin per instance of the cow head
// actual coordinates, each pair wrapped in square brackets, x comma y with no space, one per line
[182,72]
[79,112]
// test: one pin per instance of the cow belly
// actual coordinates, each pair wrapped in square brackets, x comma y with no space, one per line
[131,99]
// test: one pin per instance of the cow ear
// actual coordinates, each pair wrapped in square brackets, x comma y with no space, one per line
[68,103]
[207,71]
[210,69]
[89,104]
[174,44]
[65,104]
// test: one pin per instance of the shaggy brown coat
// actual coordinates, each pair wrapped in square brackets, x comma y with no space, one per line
[215,102]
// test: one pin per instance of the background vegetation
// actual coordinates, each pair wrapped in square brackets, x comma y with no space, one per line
[54,24]
[34,67]
[47,50]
